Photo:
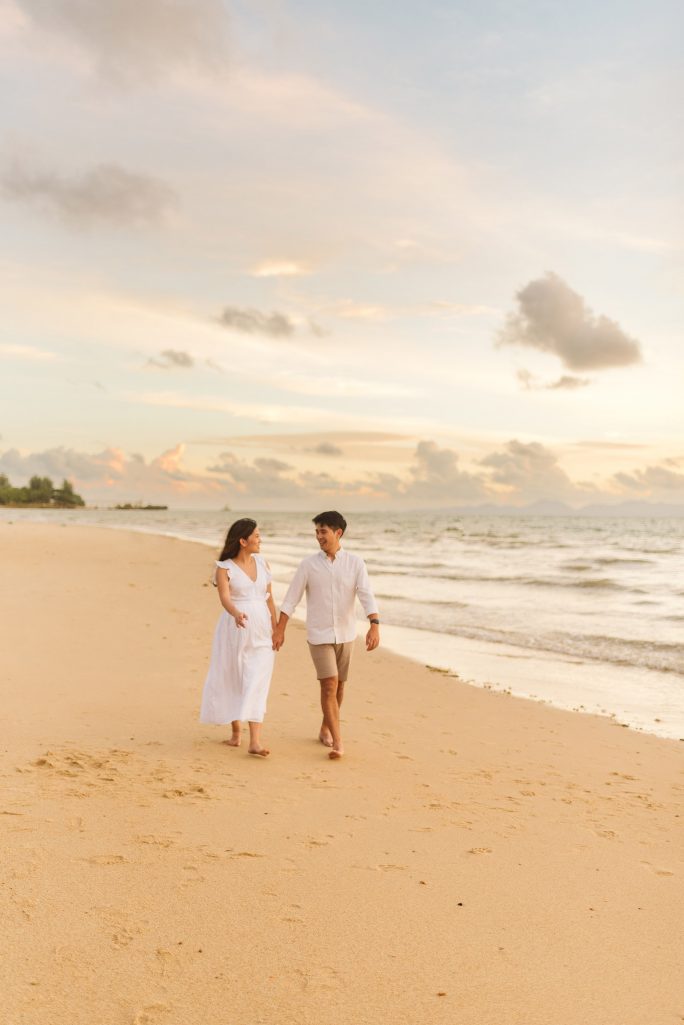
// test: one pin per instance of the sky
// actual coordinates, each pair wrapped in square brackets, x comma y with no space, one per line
[289,254]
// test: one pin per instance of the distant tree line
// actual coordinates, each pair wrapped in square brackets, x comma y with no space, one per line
[39,491]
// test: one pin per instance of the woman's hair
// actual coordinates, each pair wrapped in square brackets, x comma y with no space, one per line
[240,530]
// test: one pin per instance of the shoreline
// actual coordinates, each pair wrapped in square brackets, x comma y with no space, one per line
[473,858]
[561,681]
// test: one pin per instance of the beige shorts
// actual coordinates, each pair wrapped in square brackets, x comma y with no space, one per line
[332,660]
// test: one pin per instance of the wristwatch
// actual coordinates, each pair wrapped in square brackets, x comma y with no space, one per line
[375,622]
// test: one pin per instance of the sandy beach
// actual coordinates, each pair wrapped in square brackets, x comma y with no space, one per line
[475,859]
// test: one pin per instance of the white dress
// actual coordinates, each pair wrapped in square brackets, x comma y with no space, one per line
[242,658]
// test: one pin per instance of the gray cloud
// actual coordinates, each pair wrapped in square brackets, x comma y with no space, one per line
[106,193]
[171,359]
[263,478]
[317,330]
[553,318]
[435,473]
[253,322]
[569,383]
[527,380]
[653,480]
[133,40]
[112,474]
[530,471]
[56,463]
[326,448]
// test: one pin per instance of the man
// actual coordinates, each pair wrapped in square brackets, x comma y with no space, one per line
[332,579]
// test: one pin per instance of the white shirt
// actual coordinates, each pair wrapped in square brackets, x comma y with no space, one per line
[331,587]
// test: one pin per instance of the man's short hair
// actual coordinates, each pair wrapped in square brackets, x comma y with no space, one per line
[332,519]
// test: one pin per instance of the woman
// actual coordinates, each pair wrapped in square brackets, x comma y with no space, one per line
[236,687]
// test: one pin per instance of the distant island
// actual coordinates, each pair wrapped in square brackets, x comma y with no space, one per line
[138,506]
[39,493]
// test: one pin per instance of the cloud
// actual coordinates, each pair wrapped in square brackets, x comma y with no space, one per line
[172,359]
[264,478]
[317,330]
[517,474]
[652,481]
[28,352]
[567,382]
[113,475]
[527,380]
[105,194]
[128,40]
[435,474]
[529,471]
[553,318]
[610,445]
[253,322]
[339,386]
[58,463]
[326,448]
[280,269]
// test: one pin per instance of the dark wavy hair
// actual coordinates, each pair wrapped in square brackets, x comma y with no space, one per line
[240,530]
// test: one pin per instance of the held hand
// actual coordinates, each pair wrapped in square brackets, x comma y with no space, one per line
[278,639]
[241,619]
[372,637]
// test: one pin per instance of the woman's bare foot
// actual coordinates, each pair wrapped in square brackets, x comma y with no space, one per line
[336,752]
[263,752]
[233,741]
[325,737]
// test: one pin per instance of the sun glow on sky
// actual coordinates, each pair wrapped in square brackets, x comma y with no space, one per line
[392,255]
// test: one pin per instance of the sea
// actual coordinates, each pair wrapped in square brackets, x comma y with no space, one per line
[583,614]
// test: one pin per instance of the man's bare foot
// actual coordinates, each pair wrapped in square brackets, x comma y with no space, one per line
[325,737]
[336,752]
[263,752]
[234,741]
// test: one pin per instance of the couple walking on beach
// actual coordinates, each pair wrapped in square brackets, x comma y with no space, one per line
[248,634]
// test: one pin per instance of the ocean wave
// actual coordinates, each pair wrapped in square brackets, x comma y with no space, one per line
[443,602]
[635,654]
[614,560]
[602,583]
[584,583]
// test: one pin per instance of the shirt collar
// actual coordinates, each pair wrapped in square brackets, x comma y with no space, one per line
[339,552]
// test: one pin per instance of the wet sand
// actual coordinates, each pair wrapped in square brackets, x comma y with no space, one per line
[474,859]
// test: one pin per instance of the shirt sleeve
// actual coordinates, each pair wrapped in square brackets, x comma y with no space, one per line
[364,590]
[295,590]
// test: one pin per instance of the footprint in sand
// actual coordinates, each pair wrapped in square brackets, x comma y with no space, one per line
[480,850]
[155,841]
[193,790]
[123,938]
[106,859]
[323,977]
[151,1014]
[657,871]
